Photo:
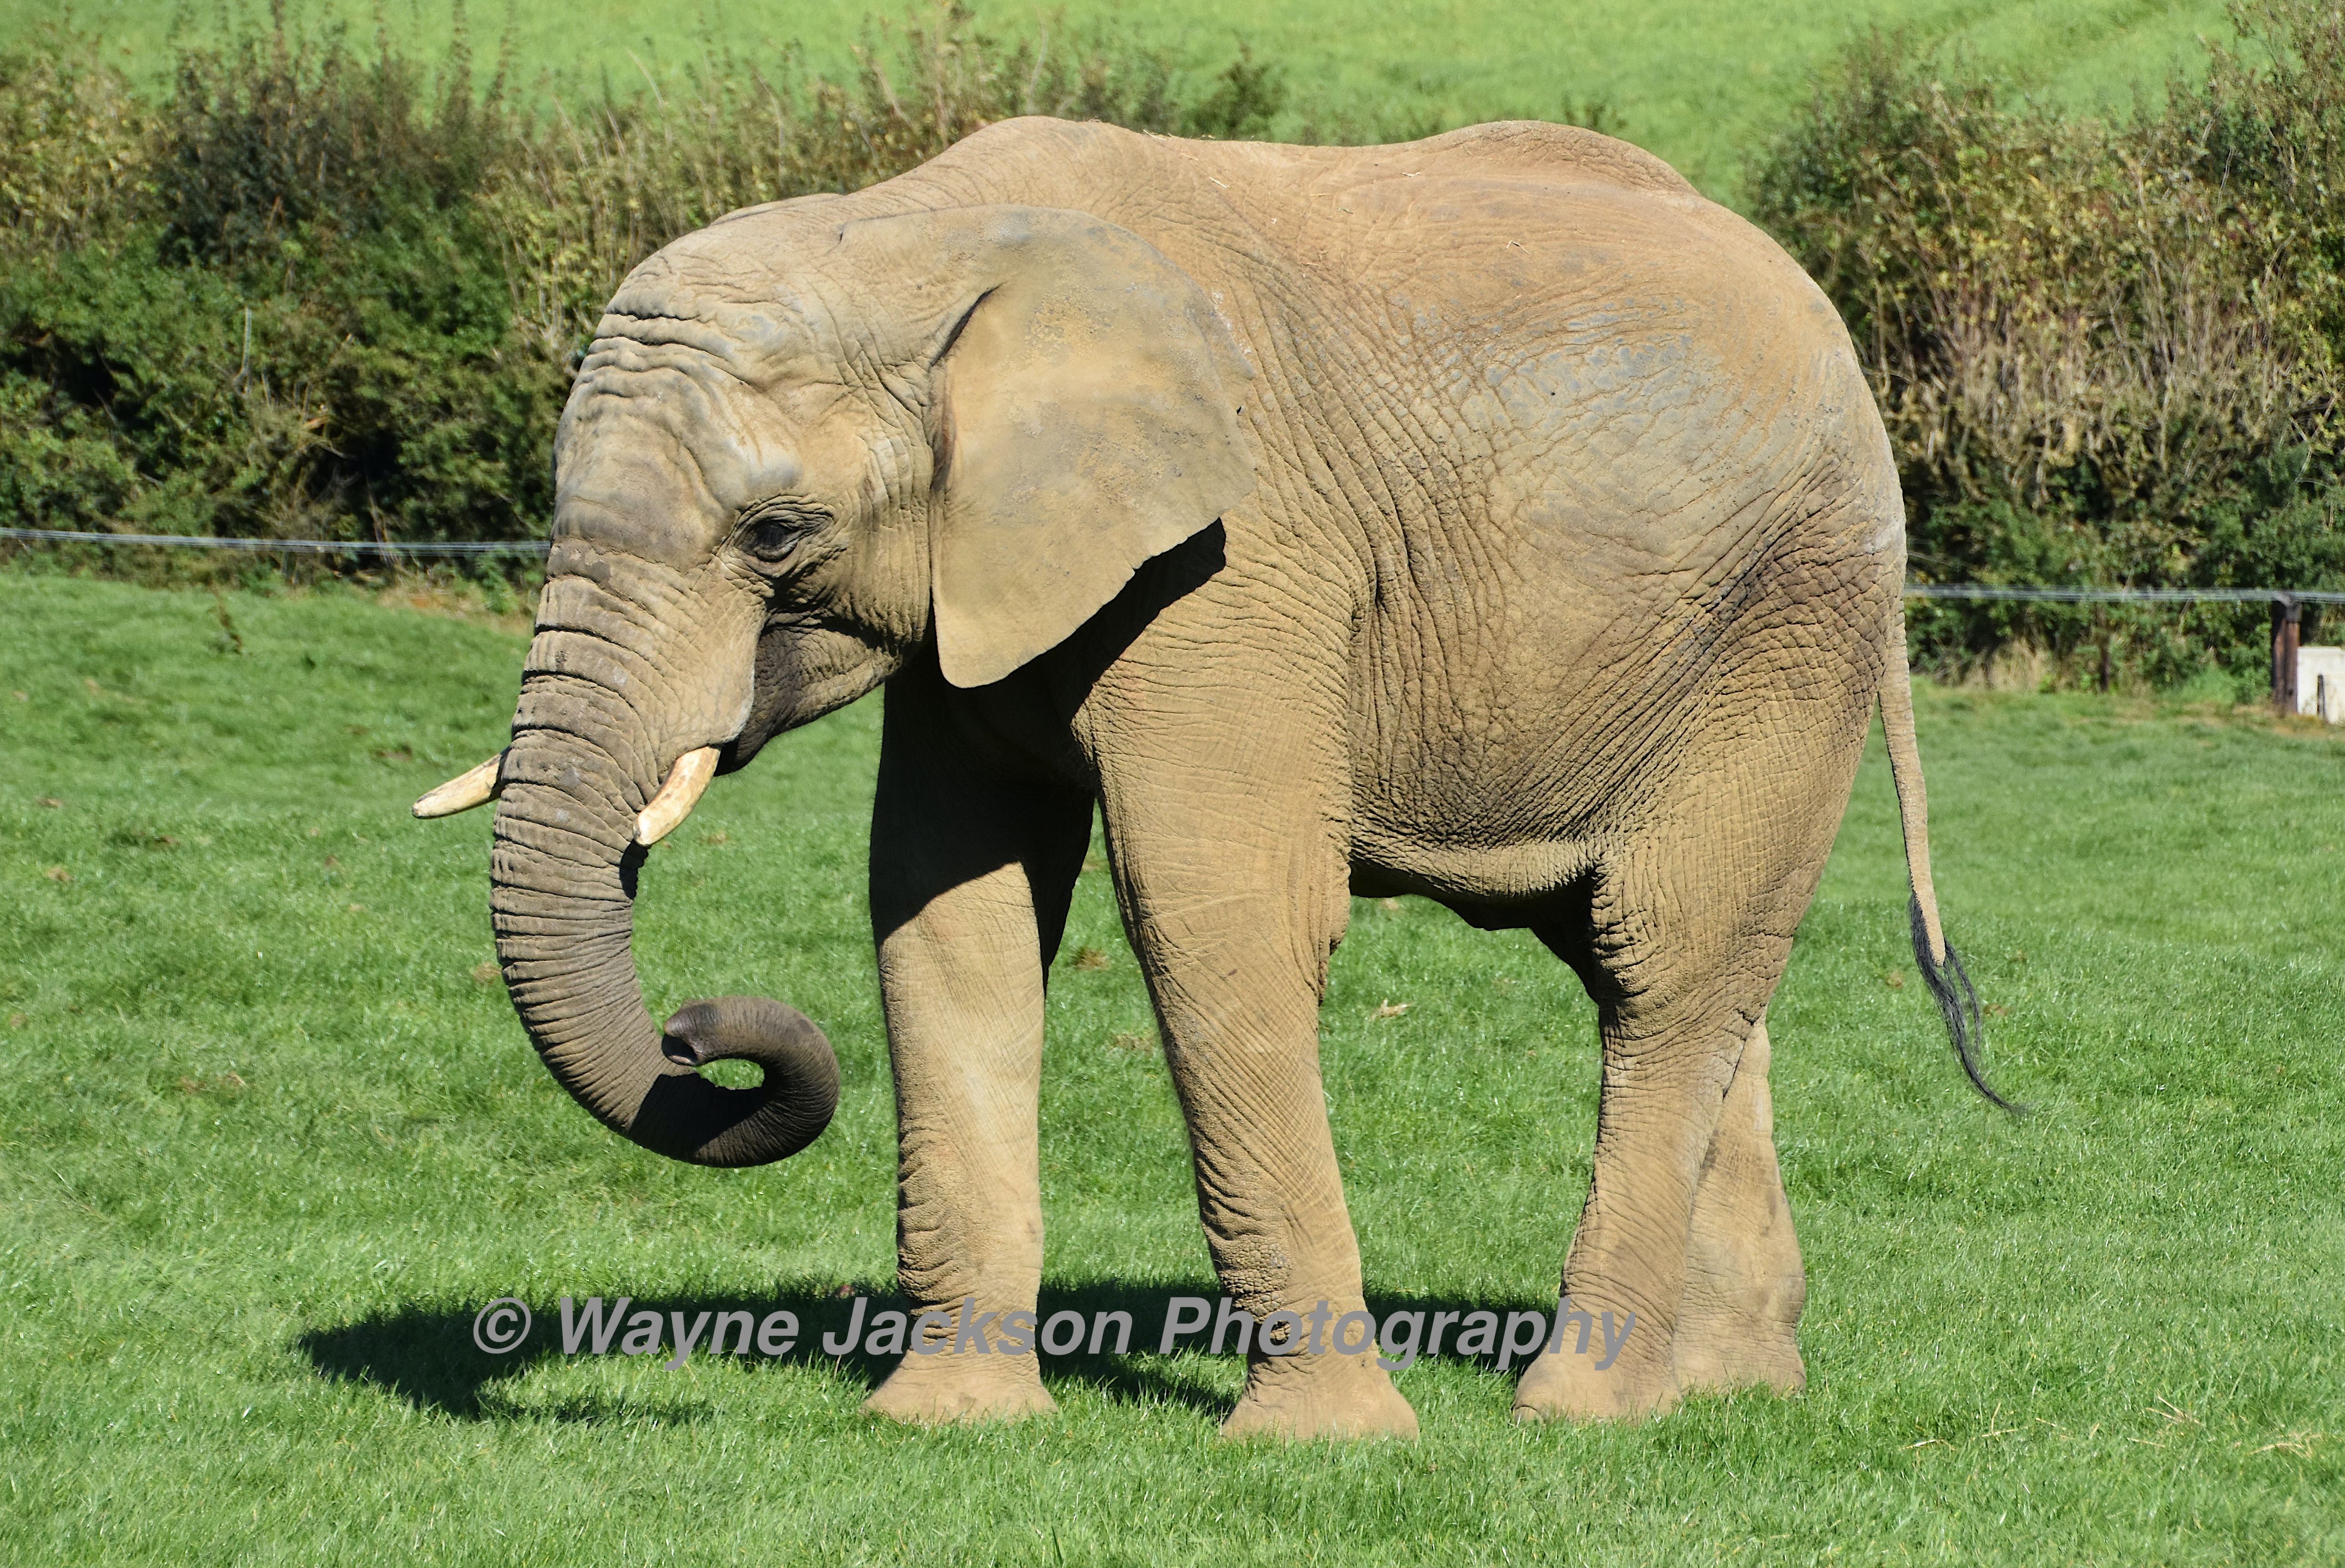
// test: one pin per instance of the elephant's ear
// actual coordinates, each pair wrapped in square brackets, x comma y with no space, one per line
[1086,419]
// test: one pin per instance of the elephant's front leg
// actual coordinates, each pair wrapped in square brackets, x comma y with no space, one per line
[1234,895]
[970,878]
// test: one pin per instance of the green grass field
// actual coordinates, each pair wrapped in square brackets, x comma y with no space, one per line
[269,1135]
[1697,81]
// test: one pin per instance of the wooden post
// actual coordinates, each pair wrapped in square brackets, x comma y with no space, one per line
[2288,628]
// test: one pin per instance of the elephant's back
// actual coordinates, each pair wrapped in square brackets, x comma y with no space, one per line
[1101,168]
[1534,151]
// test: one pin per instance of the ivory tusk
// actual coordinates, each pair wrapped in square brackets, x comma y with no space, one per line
[677,796]
[464,791]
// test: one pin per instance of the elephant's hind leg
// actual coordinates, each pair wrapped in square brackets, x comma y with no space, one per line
[1681,942]
[1738,1322]
[1669,1062]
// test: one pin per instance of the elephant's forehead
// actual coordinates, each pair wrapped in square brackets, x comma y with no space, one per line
[688,433]
[718,304]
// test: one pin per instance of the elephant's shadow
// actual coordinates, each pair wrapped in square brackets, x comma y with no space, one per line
[426,1355]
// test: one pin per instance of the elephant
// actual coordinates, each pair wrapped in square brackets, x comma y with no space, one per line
[1490,518]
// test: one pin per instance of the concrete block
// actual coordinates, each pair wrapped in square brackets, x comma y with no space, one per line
[2321,683]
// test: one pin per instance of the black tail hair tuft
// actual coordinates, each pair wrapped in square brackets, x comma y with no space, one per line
[1960,1004]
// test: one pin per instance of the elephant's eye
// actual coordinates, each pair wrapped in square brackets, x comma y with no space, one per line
[772,540]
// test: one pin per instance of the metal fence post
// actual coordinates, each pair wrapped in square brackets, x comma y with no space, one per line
[2288,629]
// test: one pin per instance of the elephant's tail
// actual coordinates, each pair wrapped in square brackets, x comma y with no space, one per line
[1941,965]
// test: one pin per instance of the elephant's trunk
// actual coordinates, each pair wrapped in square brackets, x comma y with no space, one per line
[563,902]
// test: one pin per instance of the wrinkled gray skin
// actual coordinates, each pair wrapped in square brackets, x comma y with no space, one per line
[1490,518]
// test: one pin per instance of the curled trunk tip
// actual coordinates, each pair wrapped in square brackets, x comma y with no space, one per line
[772,1121]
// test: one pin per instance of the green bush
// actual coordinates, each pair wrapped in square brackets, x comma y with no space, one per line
[321,291]
[2108,353]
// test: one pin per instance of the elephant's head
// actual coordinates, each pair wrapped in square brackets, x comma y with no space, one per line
[799,453]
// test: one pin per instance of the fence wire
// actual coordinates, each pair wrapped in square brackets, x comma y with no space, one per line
[2122,595]
[295,546]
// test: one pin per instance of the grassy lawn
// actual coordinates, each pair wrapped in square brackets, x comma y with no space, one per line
[1697,81]
[270,1136]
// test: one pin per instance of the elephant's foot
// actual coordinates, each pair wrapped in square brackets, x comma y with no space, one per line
[1324,1396]
[931,1391]
[1738,1319]
[1569,1386]
[1737,1327]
